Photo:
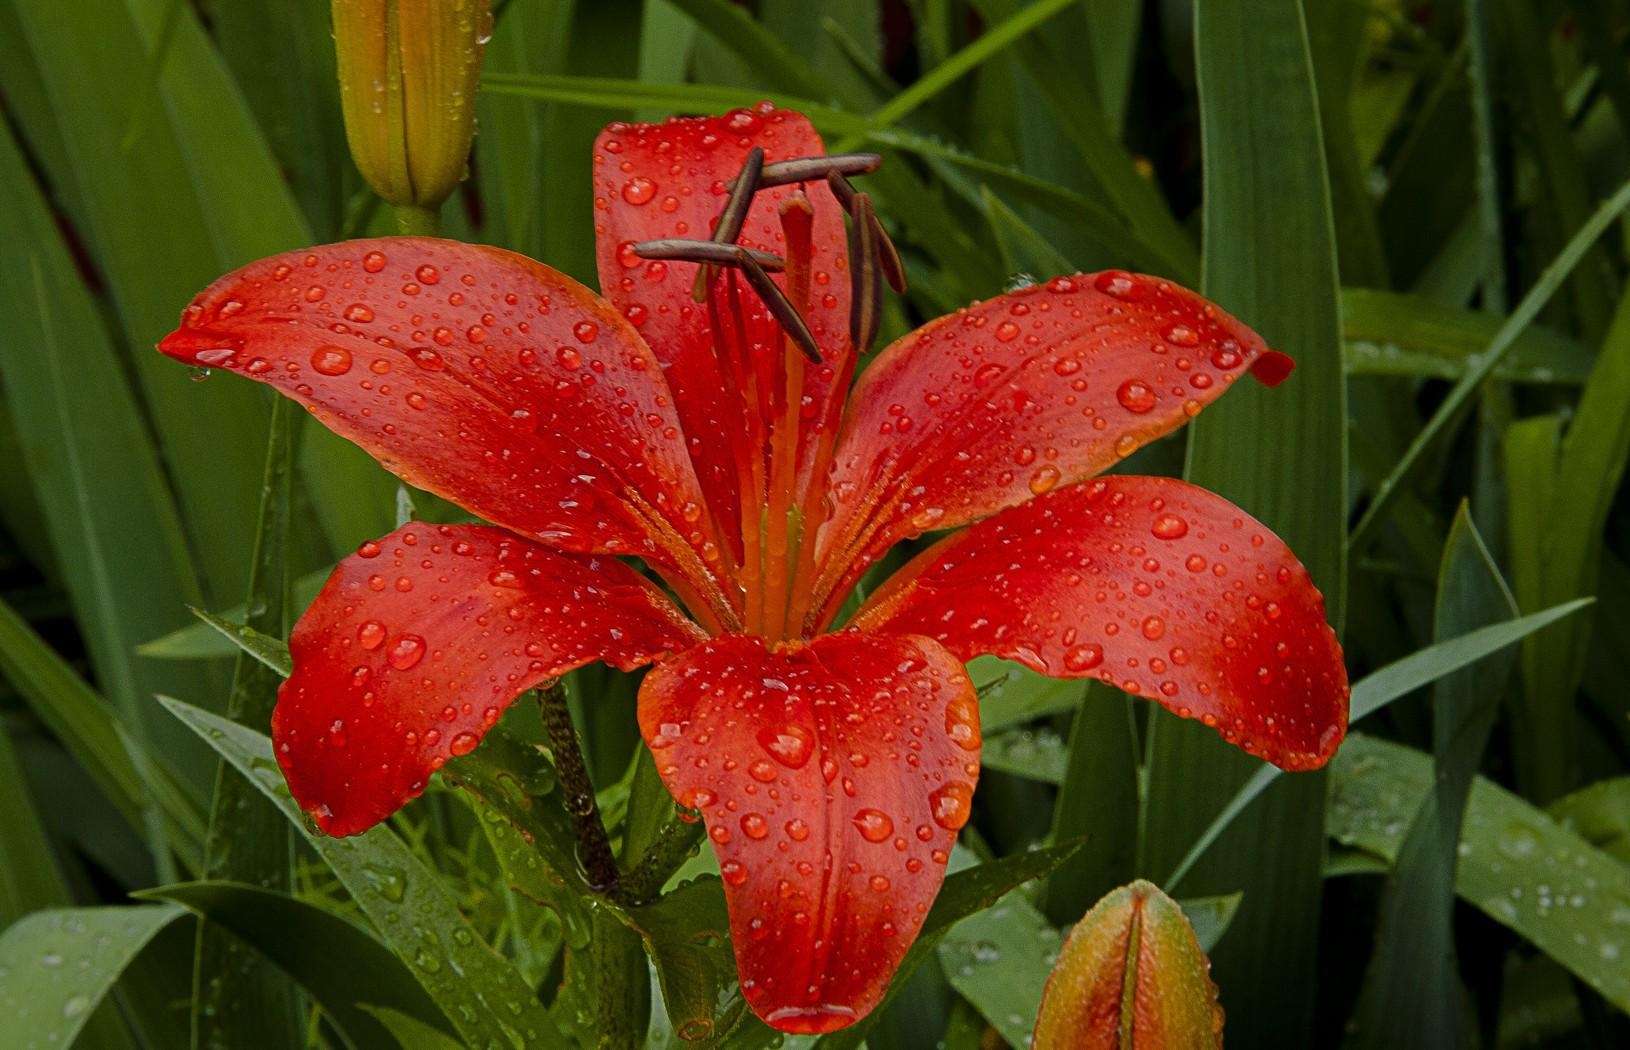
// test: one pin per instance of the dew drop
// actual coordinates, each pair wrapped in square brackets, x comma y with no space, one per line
[373,262]
[951,804]
[1135,396]
[873,825]
[1083,657]
[331,360]
[1044,479]
[371,635]
[1170,527]
[407,652]
[1120,284]
[791,745]
[586,331]
[754,826]
[639,190]
[463,743]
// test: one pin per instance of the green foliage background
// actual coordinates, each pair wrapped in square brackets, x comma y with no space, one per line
[1422,202]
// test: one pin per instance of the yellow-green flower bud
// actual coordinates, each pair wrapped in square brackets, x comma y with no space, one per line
[409,70]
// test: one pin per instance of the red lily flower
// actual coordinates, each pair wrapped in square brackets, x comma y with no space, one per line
[710,439]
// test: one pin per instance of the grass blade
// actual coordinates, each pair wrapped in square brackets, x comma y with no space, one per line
[1269,257]
[1411,996]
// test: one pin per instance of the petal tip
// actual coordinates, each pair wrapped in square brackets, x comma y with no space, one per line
[1272,368]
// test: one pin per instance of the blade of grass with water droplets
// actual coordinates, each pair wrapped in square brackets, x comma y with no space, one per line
[1269,258]
[1411,995]
[410,906]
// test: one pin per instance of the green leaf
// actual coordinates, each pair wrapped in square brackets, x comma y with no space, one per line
[341,965]
[1458,400]
[88,452]
[687,936]
[272,653]
[1600,814]
[56,967]
[1098,799]
[1517,865]
[610,92]
[1377,690]
[204,640]
[1558,556]
[1268,257]
[1394,333]
[238,997]
[993,40]
[409,1033]
[1011,694]
[1411,996]
[412,910]
[91,732]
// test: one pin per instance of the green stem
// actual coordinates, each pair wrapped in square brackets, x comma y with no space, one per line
[593,846]
[674,844]
[413,220]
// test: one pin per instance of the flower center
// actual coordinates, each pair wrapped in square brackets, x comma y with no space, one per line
[788,392]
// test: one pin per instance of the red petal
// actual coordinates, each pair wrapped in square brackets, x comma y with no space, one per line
[833,776]
[1153,585]
[475,373]
[668,180]
[419,641]
[1017,396]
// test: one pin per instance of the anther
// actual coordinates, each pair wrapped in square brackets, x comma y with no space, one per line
[865,274]
[811,169]
[742,189]
[888,257]
[710,252]
[780,307]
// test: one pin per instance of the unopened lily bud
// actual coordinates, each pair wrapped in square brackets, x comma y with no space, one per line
[1131,975]
[409,70]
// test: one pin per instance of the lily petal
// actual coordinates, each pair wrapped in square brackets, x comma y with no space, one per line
[476,374]
[833,777]
[656,181]
[1015,397]
[419,641]
[1153,585]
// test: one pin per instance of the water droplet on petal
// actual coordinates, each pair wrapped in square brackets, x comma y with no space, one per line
[1083,657]
[873,825]
[331,360]
[373,262]
[1135,396]
[463,743]
[1169,527]
[407,652]
[639,190]
[791,744]
[951,804]
[371,635]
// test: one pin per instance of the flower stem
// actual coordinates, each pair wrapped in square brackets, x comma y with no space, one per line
[413,220]
[593,846]
[674,844]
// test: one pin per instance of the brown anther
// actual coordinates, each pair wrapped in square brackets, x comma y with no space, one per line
[780,307]
[888,257]
[742,188]
[811,169]
[865,274]
[708,252]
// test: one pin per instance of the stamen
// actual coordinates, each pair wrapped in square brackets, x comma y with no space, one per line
[865,273]
[779,305]
[742,189]
[811,169]
[710,252]
[888,257]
